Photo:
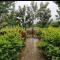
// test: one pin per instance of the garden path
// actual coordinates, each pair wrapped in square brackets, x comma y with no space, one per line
[31,52]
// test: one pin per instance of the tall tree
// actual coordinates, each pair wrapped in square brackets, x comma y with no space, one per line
[57,2]
[58,5]
[58,11]
[33,10]
[27,13]
[28,17]
[31,13]
[4,8]
[43,14]
[11,18]
[22,15]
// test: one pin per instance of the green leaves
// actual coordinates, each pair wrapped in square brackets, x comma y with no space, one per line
[10,44]
[43,14]
[50,43]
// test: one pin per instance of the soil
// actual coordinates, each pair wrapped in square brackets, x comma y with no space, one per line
[31,52]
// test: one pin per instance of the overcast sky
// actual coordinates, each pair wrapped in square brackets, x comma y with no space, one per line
[52,6]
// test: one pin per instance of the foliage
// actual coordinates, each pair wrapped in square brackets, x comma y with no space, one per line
[55,23]
[21,14]
[39,34]
[43,14]
[11,17]
[27,14]
[5,6]
[50,43]
[32,11]
[58,10]
[58,3]
[10,44]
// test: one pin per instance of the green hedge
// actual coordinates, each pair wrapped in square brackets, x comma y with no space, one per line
[50,43]
[10,45]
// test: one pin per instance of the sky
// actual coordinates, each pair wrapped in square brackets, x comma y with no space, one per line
[52,6]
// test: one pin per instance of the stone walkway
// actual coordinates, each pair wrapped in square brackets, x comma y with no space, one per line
[31,52]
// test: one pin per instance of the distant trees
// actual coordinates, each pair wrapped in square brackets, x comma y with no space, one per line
[31,12]
[22,15]
[26,14]
[5,6]
[56,23]
[58,3]
[34,9]
[11,17]
[43,14]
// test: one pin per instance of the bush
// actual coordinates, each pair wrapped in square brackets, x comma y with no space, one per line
[39,34]
[10,45]
[50,43]
[54,23]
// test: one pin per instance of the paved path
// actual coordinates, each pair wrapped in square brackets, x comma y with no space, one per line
[31,52]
